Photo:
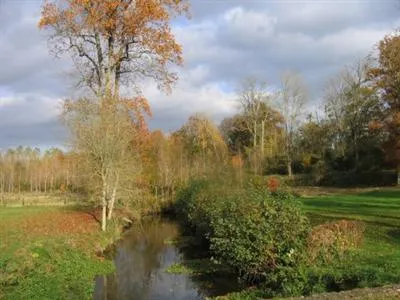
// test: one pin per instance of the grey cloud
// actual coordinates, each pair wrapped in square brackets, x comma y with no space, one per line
[26,65]
[43,135]
[313,37]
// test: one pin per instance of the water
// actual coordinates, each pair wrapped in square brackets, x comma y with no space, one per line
[141,259]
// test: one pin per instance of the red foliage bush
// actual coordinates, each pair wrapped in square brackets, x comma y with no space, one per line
[273,184]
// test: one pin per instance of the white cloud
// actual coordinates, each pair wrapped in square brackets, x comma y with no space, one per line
[222,44]
[249,26]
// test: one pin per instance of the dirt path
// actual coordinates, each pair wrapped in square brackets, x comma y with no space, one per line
[379,293]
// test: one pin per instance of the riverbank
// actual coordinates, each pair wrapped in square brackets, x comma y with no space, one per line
[50,253]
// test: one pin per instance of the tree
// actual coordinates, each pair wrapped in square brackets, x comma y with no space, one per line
[351,104]
[236,134]
[104,134]
[386,77]
[291,101]
[112,43]
[115,41]
[204,144]
[258,119]
[313,140]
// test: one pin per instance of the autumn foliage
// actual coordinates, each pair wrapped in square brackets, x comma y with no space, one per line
[332,240]
[273,184]
[116,41]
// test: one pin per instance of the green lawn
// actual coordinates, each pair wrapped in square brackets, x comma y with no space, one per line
[378,261]
[381,208]
[49,253]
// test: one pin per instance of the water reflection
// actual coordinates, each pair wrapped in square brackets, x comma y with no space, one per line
[141,259]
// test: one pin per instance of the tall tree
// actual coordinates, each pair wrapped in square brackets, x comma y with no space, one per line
[386,77]
[351,104]
[291,101]
[112,43]
[258,119]
[115,41]
[204,143]
[105,140]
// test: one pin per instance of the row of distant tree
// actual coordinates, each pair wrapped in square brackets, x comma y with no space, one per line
[26,169]
[357,131]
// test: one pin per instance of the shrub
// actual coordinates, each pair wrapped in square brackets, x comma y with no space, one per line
[273,184]
[197,203]
[332,240]
[260,234]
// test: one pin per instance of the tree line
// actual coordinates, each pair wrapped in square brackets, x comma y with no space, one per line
[117,44]
[26,169]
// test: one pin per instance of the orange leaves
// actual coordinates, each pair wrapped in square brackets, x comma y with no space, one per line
[237,161]
[111,36]
[59,223]
[375,125]
[113,16]
[50,15]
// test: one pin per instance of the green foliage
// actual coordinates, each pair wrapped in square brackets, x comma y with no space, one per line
[260,234]
[241,224]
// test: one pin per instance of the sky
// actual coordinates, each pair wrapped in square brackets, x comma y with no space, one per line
[224,42]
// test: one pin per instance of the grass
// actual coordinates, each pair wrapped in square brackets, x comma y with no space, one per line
[50,253]
[377,261]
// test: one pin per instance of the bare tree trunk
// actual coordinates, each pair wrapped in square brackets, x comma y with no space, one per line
[262,136]
[113,195]
[255,135]
[31,181]
[289,163]
[104,209]
[289,167]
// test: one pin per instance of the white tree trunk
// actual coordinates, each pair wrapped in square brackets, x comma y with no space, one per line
[104,204]
[112,202]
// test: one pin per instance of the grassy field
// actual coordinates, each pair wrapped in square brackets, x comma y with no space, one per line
[377,262]
[49,253]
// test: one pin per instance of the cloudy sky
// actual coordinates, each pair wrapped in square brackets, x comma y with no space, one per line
[224,42]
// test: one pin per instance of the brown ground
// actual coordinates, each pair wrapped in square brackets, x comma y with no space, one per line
[59,223]
[379,293]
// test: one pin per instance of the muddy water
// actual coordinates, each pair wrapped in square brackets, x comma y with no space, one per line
[141,259]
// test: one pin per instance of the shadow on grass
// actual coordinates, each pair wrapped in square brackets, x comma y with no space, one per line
[89,210]
[394,234]
[392,193]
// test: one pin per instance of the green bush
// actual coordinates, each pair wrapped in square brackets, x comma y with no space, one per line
[260,234]
[192,207]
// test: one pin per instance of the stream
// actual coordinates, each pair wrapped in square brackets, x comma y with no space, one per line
[141,258]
